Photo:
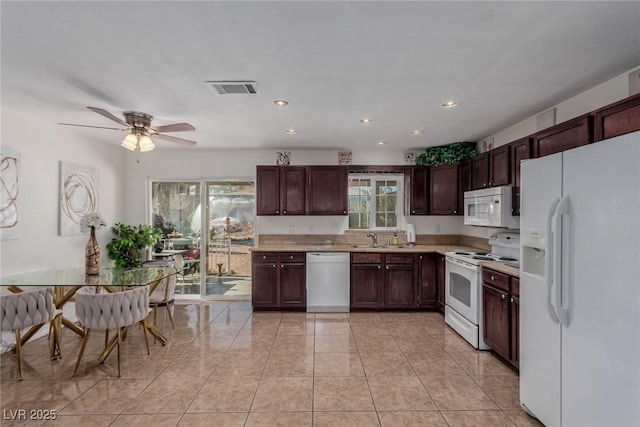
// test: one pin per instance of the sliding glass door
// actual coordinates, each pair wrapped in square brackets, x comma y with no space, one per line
[213,241]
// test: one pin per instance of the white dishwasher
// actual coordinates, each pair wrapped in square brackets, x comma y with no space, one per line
[328,282]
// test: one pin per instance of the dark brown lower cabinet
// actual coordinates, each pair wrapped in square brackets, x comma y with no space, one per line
[426,280]
[496,320]
[501,314]
[441,273]
[398,281]
[366,285]
[278,280]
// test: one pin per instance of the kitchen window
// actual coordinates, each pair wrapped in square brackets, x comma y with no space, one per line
[375,201]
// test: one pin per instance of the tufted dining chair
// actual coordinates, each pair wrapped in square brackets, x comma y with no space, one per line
[101,310]
[163,296]
[24,309]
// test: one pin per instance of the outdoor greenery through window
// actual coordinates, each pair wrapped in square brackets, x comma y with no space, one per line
[374,201]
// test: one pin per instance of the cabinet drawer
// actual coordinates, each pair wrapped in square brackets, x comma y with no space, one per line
[264,257]
[499,280]
[398,258]
[295,257]
[366,258]
[515,286]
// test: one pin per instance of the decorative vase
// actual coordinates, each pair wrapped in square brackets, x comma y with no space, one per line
[92,255]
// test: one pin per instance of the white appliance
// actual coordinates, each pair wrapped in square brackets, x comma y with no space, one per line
[580,286]
[463,285]
[328,282]
[490,207]
[411,234]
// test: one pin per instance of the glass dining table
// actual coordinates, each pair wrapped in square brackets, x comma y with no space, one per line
[67,281]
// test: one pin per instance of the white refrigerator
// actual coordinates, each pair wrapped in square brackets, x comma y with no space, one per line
[580,285]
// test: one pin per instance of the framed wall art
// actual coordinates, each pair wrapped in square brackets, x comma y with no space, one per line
[10,162]
[78,195]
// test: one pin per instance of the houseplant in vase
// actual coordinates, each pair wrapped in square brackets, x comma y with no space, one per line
[128,245]
[89,223]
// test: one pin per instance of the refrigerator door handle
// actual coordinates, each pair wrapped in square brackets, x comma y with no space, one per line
[548,260]
[563,313]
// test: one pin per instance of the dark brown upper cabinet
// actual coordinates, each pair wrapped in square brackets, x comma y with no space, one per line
[564,136]
[443,198]
[464,183]
[618,118]
[327,191]
[417,184]
[491,168]
[520,150]
[280,190]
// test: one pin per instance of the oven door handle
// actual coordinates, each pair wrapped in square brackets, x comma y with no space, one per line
[549,259]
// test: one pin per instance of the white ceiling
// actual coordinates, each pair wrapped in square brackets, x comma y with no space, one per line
[335,62]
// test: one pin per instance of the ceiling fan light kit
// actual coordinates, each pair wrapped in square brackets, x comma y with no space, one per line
[140,131]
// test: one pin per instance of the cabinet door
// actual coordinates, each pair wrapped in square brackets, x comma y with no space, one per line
[327,190]
[427,284]
[565,136]
[441,272]
[515,331]
[480,171]
[444,190]
[366,285]
[499,171]
[292,285]
[418,191]
[495,315]
[267,190]
[264,284]
[464,183]
[399,292]
[618,119]
[293,186]
[520,150]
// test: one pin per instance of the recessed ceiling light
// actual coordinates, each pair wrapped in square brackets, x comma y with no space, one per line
[290,131]
[381,142]
[366,120]
[417,132]
[281,102]
[449,104]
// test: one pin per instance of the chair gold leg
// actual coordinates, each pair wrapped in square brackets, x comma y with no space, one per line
[173,326]
[119,336]
[155,314]
[144,332]
[18,348]
[82,347]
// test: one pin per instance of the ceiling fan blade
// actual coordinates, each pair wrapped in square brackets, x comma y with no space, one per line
[88,126]
[108,115]
[177,127]
[170,138]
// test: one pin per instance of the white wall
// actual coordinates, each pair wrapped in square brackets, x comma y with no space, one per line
[42,146]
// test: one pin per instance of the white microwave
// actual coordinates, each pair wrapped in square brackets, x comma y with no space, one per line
[490,207]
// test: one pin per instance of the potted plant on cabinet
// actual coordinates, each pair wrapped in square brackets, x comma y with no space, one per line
[127,248]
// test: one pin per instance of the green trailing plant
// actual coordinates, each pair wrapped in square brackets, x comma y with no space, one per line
[126,248]
[447,154]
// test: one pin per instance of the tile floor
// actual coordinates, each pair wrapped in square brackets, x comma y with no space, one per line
[226,366]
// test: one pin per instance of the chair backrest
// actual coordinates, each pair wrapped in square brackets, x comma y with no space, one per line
[178,261]
[111,310]
[165,291]
[24,309]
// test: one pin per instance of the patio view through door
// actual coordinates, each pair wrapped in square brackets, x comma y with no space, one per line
[231,214]
[215,240]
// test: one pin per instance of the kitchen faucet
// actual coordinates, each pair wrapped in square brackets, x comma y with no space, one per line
[374,237]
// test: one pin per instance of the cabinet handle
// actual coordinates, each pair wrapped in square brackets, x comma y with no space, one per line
[503,296]
[282,266]
[378,267]
[387,267]
[264,257]
[277,211]
[284,212]
[455,211]
[274,266]
[420,256]
[344,212]
[413,211]
[493,278]
[511,299]
[291,257]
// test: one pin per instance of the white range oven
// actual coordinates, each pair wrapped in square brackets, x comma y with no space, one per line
[463,285]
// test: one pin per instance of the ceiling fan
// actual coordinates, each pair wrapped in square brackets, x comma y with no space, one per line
[138,125]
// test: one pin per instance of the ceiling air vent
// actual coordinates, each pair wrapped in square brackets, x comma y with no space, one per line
[235,88]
